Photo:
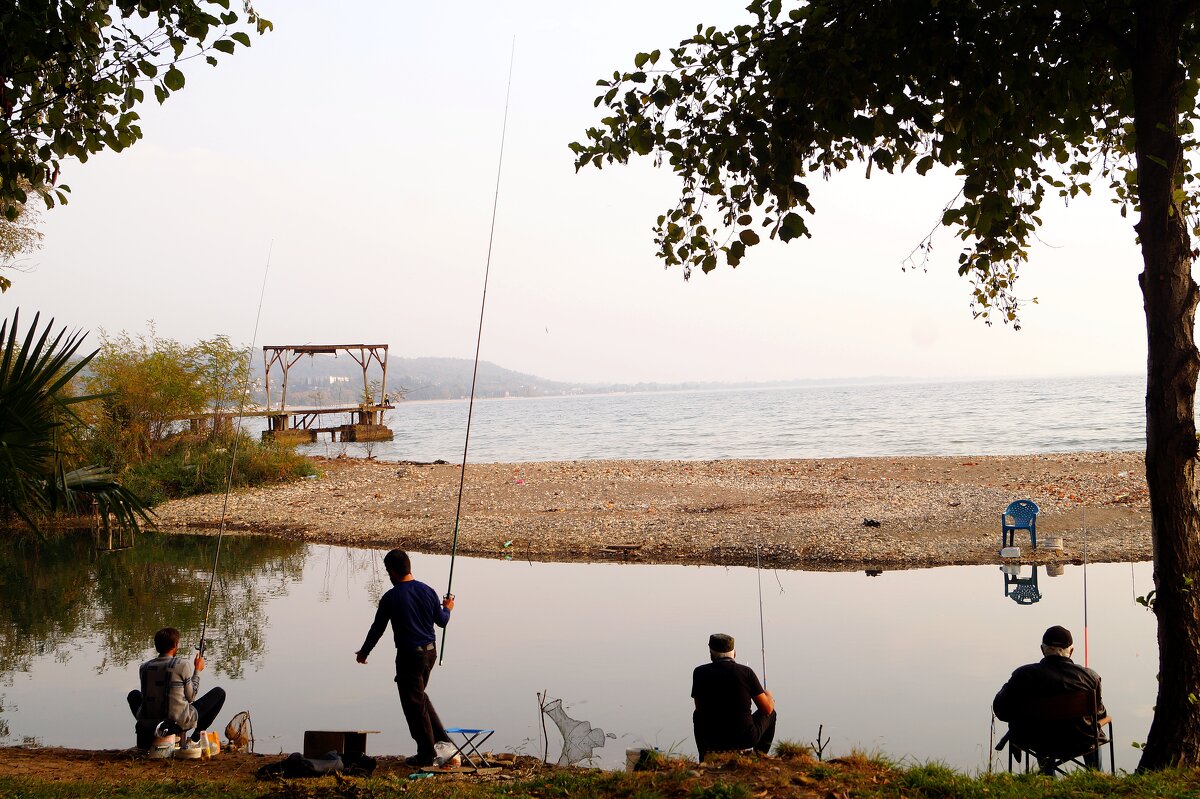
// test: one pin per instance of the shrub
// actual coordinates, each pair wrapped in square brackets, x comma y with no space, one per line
[202,467]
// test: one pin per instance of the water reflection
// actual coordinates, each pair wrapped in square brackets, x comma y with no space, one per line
[905,662]
[1022,590]
[58,593]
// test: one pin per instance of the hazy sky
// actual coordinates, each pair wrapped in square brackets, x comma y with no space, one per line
[363,142]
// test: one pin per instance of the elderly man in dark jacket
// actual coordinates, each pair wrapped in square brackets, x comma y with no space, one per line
[724,690]
[1055,674]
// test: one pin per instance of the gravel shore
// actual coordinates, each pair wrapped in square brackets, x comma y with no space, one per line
[810,514]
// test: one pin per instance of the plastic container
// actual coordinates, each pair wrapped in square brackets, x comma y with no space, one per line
[161,751]
[1054,542]
[211,743]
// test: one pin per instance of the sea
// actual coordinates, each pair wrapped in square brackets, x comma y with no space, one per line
[976,417]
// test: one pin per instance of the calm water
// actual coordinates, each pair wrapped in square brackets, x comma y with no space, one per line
[977,418]
[905,663]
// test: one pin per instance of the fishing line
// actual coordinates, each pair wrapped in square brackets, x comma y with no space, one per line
[1085,591]
[761,626]
[462,475]
[237,437]
[1132,574]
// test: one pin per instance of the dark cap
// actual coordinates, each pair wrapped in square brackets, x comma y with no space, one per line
[1059,637]
[720,642]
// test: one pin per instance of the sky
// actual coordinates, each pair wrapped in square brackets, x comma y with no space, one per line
[357,150]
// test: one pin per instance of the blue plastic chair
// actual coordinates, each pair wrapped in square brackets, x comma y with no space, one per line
[1019,515]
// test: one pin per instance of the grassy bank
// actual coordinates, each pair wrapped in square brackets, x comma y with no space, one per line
[737,778]
[202,467]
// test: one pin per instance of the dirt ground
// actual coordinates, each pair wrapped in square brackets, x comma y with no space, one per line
[816,514]
[56,764]
[792,777]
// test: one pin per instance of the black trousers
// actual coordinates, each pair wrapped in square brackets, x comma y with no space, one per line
[412,676]
[759,737]
[207,708]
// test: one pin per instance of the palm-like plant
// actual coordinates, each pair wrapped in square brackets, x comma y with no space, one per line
[35,412]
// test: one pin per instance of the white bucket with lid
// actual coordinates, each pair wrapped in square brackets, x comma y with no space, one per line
[162,748]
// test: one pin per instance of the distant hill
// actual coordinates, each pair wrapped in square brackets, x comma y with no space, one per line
[325,380]
[450,378]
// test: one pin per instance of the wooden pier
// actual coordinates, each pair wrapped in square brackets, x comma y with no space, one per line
[302,425]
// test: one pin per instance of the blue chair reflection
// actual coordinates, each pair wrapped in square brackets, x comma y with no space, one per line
[1022,590]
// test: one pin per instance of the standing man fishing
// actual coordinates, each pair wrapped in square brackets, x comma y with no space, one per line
[412,608]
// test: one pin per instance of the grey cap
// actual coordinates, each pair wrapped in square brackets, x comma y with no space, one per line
[720,642]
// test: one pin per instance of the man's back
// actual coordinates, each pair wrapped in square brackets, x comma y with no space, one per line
[723,691]
[168,689]
[1054,675]
[412,608]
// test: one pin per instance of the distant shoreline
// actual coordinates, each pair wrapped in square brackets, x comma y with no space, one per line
[803,514]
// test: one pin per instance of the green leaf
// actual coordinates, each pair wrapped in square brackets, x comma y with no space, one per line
[748,238]
[224,45]
[241,38]
[173,80]
[792,227]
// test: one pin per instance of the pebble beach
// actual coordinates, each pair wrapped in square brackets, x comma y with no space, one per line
[802,514]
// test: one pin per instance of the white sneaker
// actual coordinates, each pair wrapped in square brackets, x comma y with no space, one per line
[189,750]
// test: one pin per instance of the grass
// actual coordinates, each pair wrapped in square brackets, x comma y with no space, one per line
[853,777]
[202,467]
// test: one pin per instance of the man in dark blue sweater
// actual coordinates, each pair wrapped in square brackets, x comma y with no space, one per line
[412,608]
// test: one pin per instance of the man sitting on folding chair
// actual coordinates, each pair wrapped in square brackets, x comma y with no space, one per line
[1029,699]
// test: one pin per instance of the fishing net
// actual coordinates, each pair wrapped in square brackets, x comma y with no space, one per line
[580,738]
[240,732]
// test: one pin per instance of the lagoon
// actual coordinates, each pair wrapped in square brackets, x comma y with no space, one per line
[904,663]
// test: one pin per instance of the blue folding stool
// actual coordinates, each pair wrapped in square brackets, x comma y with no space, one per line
[469,748]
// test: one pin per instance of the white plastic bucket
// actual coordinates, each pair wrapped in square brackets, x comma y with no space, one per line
[162,748]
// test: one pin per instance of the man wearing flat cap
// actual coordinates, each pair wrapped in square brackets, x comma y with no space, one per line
[1055,674]
[723,691]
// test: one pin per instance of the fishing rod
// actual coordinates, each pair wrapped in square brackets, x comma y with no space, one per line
[237,437]
[762,636]
[1085,591]
[462,474]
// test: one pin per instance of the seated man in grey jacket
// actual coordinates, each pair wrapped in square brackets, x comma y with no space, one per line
[168,696]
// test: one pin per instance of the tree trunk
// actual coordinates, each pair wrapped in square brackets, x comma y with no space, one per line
[1170,297]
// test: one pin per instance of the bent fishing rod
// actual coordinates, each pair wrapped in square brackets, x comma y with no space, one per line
[462,474]
[237,437]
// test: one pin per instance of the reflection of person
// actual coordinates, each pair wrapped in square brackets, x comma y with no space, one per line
[412,608]
[1053,675]
[170,685]
[723,691]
